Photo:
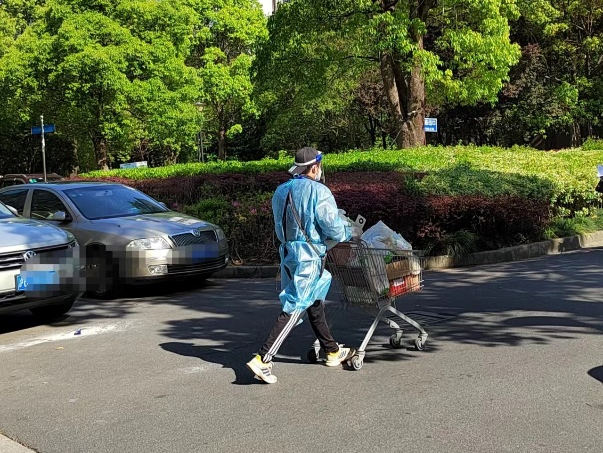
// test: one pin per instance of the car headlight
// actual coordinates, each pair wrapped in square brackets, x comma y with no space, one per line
[220,234]
[149,244]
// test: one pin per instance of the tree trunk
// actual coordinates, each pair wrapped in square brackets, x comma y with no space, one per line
[222,141]
[576,135]
[75,161]
[393,97]
[371,127]
[405,90]
[100,152]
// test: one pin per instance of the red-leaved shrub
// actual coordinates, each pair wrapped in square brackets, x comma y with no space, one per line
[422,220]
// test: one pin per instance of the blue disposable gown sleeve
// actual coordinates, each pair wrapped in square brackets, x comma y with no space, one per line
[327,217]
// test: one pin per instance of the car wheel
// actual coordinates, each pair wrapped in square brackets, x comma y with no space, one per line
[103,274]
[53,311]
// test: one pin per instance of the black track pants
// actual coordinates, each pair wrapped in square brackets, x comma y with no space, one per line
[285,323]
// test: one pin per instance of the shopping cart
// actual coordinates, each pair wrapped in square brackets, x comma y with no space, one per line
[375,279]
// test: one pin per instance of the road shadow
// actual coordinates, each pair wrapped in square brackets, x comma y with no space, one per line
[235,337]
[597,373]
[230,330]
[89,309]
[508,304]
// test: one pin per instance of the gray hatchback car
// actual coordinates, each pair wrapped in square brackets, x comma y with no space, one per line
[125,236]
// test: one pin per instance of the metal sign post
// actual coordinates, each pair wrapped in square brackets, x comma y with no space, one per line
[201,156]
[43,147]
[48,129]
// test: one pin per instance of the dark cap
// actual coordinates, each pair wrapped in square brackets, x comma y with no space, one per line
[304,158]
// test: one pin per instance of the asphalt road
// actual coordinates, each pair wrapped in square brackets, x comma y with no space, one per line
[513,364]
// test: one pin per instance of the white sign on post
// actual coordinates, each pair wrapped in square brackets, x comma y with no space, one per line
[142,164]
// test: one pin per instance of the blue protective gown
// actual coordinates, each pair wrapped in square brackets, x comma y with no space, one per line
[301,281]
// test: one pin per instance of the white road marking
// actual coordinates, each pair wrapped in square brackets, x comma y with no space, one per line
[66,335]
[10,446]
[200,369]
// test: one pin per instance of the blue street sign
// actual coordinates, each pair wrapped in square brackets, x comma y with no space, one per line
[431,125]
[37,130]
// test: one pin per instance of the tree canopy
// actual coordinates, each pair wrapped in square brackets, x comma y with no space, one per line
[139,79]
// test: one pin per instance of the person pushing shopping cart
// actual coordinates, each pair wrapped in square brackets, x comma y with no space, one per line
[305,218]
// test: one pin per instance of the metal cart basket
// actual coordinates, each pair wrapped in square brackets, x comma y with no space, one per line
[375,279]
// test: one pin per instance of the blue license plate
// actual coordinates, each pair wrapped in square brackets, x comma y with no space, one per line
[34,280]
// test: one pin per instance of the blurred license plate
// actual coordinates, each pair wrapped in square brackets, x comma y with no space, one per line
[35,279]
[204,253]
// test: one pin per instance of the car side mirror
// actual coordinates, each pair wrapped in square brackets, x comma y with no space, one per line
[163,204]
[59,216]
[13,210]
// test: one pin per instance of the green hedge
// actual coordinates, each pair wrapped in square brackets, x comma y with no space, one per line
[442,199]
[565,178]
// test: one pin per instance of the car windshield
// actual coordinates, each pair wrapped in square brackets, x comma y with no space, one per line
[103,202]
[5,212]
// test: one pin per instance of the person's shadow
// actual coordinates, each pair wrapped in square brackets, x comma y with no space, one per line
[597,373]
[234,359]
[235,335]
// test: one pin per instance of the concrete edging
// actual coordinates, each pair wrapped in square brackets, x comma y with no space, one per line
[507,254]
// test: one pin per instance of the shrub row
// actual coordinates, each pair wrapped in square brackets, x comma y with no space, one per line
[483,197]
[241,205]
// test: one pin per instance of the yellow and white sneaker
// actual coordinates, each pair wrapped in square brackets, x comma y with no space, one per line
[337,358]
[262,371]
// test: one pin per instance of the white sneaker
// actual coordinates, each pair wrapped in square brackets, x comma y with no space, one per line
[337,358]
[262,371]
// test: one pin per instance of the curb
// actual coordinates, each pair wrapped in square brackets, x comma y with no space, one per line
[507,254]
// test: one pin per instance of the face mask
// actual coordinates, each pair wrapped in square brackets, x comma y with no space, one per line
[318,176]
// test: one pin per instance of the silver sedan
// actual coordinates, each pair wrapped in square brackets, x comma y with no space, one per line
[125,235]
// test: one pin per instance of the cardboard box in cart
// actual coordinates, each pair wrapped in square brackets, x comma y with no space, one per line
[402,277]
[398,277]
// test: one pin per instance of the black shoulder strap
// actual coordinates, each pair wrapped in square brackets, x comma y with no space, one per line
[299,223]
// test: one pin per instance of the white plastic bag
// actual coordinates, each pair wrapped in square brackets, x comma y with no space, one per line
[386,242]
[383,237]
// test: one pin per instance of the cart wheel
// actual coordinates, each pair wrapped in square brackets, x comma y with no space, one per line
[312,356]
[419,344]
[357,363]
[395,341]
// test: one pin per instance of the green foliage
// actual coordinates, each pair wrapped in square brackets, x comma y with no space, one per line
[121,77]
[570,39]
[566,226]
[215,210]
[457,244]
[565,179]
[318,52]
[593,144]
[224,55]
[247,222]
